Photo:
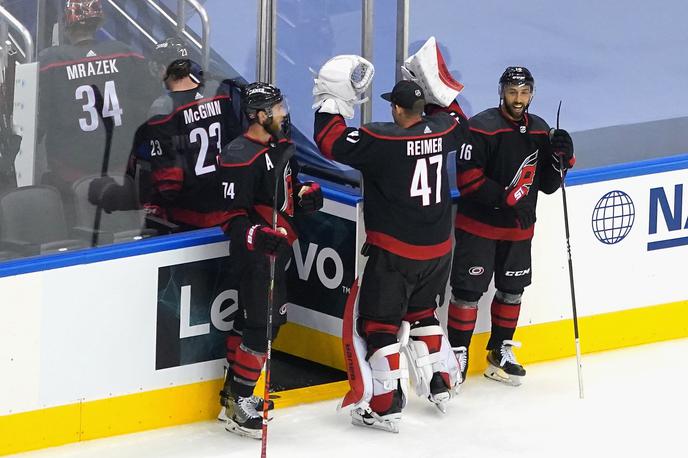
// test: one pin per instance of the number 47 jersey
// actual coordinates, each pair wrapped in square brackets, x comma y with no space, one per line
[407,201]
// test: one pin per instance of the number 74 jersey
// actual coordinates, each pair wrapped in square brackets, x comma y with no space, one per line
[407,201]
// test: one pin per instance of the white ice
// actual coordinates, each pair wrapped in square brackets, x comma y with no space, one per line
[635,406]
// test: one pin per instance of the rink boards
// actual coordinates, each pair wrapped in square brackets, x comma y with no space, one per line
[127,338]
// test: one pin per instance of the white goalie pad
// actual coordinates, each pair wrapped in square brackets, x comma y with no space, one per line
[428,70]
[372,377]
[422,363]
[340,82]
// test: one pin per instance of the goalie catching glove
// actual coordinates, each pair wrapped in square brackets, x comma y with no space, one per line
[427,69]
[340,83]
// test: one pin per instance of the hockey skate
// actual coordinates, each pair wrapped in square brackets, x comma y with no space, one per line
[502,365]
[388,421]
[226,399]
[462,356]
[243,418]
[439,393]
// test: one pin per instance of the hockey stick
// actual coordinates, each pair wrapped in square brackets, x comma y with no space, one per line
[271,305]
[109,124]
[573,289]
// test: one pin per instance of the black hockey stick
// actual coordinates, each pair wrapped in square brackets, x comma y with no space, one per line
[109,124]
[572,287]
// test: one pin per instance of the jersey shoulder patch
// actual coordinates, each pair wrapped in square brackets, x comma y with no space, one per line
[240,151]
[537,123]
[489,120]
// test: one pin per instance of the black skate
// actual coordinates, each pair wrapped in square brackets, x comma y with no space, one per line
[439,393]
[502,365]
[387,421]
[226,399]
[244,419]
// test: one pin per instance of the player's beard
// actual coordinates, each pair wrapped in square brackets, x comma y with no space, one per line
[516,115]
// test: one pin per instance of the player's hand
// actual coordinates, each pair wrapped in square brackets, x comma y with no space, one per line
[98,190]
[525,214]
[264,239]
[340,83]
[562,147]
[310,197]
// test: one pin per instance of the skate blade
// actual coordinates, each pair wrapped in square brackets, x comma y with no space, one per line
[440,401]
[222,416]
[498,374]
[233,427]
[391,426]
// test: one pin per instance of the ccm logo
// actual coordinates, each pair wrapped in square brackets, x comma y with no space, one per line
[517,273]
[476,270]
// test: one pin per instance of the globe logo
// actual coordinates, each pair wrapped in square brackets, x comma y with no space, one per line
[613,217]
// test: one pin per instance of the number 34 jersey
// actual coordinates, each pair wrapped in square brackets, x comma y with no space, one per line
[185,135]
[407,201]
[84,88]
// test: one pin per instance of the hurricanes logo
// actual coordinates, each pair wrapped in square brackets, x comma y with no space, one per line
[525,175]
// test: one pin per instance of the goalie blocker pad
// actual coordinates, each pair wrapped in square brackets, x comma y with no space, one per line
[428,69]
[423,364]
[373,377]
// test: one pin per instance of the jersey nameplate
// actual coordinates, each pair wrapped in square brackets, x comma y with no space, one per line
[94,68]
[422,147]
[203,111]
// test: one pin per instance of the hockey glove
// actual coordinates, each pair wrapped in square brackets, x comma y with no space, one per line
[427,69]
[310,197]
[107,194]
[264,239]
[525,214]
[339,84]
[562,146]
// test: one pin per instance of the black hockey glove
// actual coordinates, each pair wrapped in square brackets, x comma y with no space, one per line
[266,240]
[310,197]
[105,192]
[562,147]
[525,214]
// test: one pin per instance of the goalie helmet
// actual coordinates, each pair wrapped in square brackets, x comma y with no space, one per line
[516,76]
[259,96]
[81,12]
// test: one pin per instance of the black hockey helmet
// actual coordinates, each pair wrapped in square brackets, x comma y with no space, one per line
[169,50]
[516,76]
[185,67]
[83,12]
[259,96]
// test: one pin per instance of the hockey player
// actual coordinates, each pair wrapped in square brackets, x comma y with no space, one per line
[258,172]
[84,87]
[514,156]
[407,211]
[191,125]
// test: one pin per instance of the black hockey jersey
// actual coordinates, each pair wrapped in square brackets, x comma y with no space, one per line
[407,202]
[82,88]
[247,174]
[502,152]
[185,135]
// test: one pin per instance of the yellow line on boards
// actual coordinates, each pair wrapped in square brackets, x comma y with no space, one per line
[199,401]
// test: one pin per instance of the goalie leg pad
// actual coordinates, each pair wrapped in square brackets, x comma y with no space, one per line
[429,352]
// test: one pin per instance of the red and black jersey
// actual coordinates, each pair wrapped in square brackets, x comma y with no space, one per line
[503,153]
[82,85]
[407,202]
[251,175]
[185,136]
